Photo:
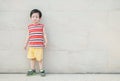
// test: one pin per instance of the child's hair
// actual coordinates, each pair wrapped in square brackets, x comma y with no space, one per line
[36,11]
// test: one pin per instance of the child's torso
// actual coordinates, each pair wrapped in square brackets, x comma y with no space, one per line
[36,37]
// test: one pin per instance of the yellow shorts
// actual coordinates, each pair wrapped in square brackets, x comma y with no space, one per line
[35,53]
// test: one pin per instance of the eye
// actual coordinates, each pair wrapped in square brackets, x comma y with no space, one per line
[33,16]
[37,17]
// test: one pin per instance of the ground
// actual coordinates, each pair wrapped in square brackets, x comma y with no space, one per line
[61,77]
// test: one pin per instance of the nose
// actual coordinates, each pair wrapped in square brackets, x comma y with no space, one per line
[34,18]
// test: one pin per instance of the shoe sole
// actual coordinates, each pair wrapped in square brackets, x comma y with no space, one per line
[32,74]
[42,74]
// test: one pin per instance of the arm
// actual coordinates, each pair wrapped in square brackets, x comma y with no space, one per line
[45,37]
[26,44]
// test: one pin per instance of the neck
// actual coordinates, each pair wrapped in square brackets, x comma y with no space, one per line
[35,23]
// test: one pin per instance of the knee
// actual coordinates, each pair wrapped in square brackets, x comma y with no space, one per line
[40,61]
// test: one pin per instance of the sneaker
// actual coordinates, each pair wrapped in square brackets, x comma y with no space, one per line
[31,72]
[42,72]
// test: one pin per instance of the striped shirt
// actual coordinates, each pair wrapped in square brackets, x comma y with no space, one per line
[36,37]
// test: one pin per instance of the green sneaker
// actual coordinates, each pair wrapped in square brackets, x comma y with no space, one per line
[31,72]
[42,73]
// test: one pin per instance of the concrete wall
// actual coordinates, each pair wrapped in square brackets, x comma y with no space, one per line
[83,35]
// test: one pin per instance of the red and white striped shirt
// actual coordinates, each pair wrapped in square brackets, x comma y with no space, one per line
[36,35]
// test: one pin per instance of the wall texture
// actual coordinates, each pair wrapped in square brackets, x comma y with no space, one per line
[83,35]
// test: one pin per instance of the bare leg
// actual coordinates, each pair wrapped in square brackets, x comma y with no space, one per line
[40,64]
[32,64]
[42,71]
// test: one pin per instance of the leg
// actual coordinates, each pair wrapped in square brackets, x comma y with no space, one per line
[40,64]
[32,64]
[39,57]
[31,56]
[42,71]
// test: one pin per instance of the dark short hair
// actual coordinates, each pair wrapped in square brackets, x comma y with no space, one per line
[36,11]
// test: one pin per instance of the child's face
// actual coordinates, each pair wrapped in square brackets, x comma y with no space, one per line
[35,18]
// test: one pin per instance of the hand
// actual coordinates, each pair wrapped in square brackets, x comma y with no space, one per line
[45,45]
[25,47]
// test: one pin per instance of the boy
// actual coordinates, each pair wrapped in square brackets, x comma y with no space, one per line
[36,42]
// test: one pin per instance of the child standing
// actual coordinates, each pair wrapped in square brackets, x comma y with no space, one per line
[36,42]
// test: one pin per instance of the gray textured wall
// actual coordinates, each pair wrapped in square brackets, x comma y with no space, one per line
[83,35]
